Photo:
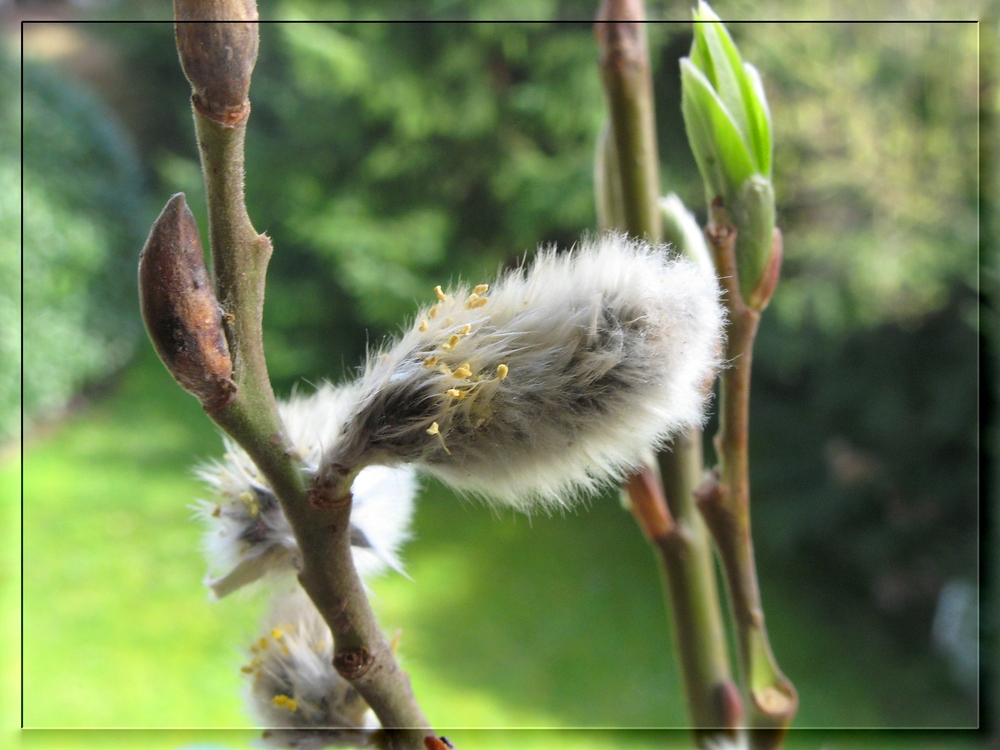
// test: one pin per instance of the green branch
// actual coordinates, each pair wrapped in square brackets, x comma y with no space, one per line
[212,343]
[627,188]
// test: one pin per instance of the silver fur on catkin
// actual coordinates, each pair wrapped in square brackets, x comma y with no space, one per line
[553,380]
[247,535]
[294,687]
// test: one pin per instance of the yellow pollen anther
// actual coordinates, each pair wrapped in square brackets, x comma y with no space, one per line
[430,361]
[247,498]
[463,372]
[435,430]
[247,668]
[455,338]
[471,302]
[481,289]
[441,295]
[444,369]
[479,302]
[433,311]
[502,371]
[277,634]
[262,643]
[465,330]
[456,394]
[423,326]
[283,701]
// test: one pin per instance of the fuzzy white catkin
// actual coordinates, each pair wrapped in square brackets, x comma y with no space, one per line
[294,685]
[247,534]
[557,383]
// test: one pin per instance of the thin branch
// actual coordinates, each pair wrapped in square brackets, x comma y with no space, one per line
[227,50]
[724,499]
[627,195]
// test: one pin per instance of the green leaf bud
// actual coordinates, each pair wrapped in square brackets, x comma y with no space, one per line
[729,129]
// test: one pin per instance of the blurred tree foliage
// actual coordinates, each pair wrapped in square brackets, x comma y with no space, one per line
[84,218]
[386,158]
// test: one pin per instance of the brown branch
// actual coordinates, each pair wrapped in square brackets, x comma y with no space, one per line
[627,188]
[724,499]
[220,356]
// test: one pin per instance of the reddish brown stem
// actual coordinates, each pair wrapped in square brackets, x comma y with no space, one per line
[724,499]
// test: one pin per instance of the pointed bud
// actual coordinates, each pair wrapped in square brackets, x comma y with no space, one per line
[178,304]
[728,124]
[217,41]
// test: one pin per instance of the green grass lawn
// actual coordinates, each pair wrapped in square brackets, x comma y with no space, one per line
[508,621]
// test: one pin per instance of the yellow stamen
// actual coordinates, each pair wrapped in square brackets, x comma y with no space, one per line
[463,372]
[480,302]
[471,302]
[430,361]
[435,430]
[247,498]
[441,295]
[283,701]
[433,311]
[455,338]
[502,371]
[465,330]
[481,289]
[444,369]
[456,394]
[262,643]
[423,326]
[277,634]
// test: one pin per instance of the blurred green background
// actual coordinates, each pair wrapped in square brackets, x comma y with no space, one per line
[386,158]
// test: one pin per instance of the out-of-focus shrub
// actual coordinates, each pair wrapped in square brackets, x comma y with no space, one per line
[83,228]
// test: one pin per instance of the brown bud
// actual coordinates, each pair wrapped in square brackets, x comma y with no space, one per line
[438,743]
[762,293]
[648,504]
[620,33]
[182,316]
[217,41]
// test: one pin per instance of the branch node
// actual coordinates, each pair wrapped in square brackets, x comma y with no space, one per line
[353,663]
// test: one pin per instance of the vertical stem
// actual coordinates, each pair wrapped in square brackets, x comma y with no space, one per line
[725,501]
[628,86]
[628,194]
[361,653]
[713,700]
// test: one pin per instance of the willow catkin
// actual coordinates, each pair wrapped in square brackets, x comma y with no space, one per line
[247,535]
[294,685]
[551,381]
